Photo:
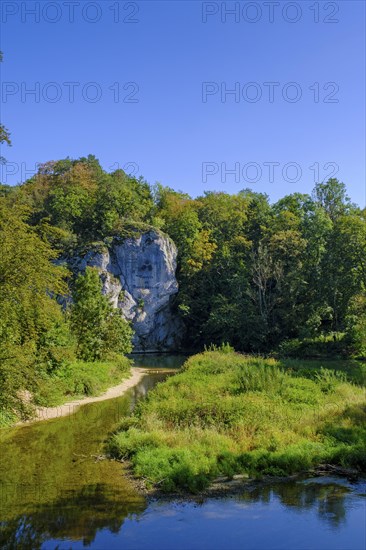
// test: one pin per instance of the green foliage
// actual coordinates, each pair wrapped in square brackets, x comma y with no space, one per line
[117,335]
[79,379]
[88,315]
[353,370]
[36,346]
[332,196]
[226,414]
[250,273]
[99,329]
[224,348]
[269,273]
[79,198]
[258,376]
[333,345]
[31,321]
[356,326]
[329,379]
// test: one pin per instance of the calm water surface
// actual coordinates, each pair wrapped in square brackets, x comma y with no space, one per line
[58,492]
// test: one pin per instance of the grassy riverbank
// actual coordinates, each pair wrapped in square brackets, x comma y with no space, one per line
[80,379]
[229,414]
[76,379]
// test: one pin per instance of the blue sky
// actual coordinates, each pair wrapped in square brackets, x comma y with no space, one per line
[149,81]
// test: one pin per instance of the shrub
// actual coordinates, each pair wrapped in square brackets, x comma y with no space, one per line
[323,346]
[80,379]
[258,376]
[223,348]
[329,379]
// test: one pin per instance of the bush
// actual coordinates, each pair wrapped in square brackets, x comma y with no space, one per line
[329,379]
[175,469]
[256,375]
[330,346]
[223,348]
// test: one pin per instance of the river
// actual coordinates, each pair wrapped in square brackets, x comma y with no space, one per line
[58,491]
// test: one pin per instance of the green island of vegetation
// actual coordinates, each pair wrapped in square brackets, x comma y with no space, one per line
[227,414]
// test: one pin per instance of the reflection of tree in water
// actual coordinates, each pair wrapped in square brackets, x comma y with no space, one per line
[140,391]
[156,361]
[78,515]
[52,483]
[327,498]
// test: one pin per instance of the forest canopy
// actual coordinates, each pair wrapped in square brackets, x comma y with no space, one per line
[251,273]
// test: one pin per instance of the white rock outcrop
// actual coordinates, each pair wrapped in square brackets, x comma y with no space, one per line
[138,275]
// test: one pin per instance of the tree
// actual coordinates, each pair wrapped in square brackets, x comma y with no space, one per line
[267,274]
[99,329]
[117,335]
[356,325]
[332,196]
[344,266]
[29,280]
[121,197]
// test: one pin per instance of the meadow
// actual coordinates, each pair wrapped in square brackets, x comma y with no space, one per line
[227,414]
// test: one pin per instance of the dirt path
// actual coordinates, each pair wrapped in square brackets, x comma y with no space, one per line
[46,413]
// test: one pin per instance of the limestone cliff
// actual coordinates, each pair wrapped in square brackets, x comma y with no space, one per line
[138,275]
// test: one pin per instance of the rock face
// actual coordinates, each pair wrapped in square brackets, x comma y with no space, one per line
[138,275]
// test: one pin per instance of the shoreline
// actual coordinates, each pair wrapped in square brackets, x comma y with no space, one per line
[70,407]
[228,487]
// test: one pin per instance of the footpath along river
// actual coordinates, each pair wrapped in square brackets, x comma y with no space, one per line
[57,491]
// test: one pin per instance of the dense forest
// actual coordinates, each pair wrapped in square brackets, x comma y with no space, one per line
[288,277]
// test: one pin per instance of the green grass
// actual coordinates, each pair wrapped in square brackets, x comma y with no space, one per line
[354,370]
[80,379]
[335,345]
[7,418]
[229,414]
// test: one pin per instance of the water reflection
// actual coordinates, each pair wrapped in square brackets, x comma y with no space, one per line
[78,515]
[54,481]
[321,514]
[158,361]
[147,383]
[328,499]
[56,490]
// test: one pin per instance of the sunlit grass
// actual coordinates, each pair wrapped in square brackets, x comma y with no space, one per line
[80,379]
[228,414]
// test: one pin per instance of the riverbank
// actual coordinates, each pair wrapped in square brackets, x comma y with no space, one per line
[70,407]
[228,487]
[229,415]
[73,381]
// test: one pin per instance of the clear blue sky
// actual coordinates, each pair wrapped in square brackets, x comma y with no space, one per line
[173,133]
